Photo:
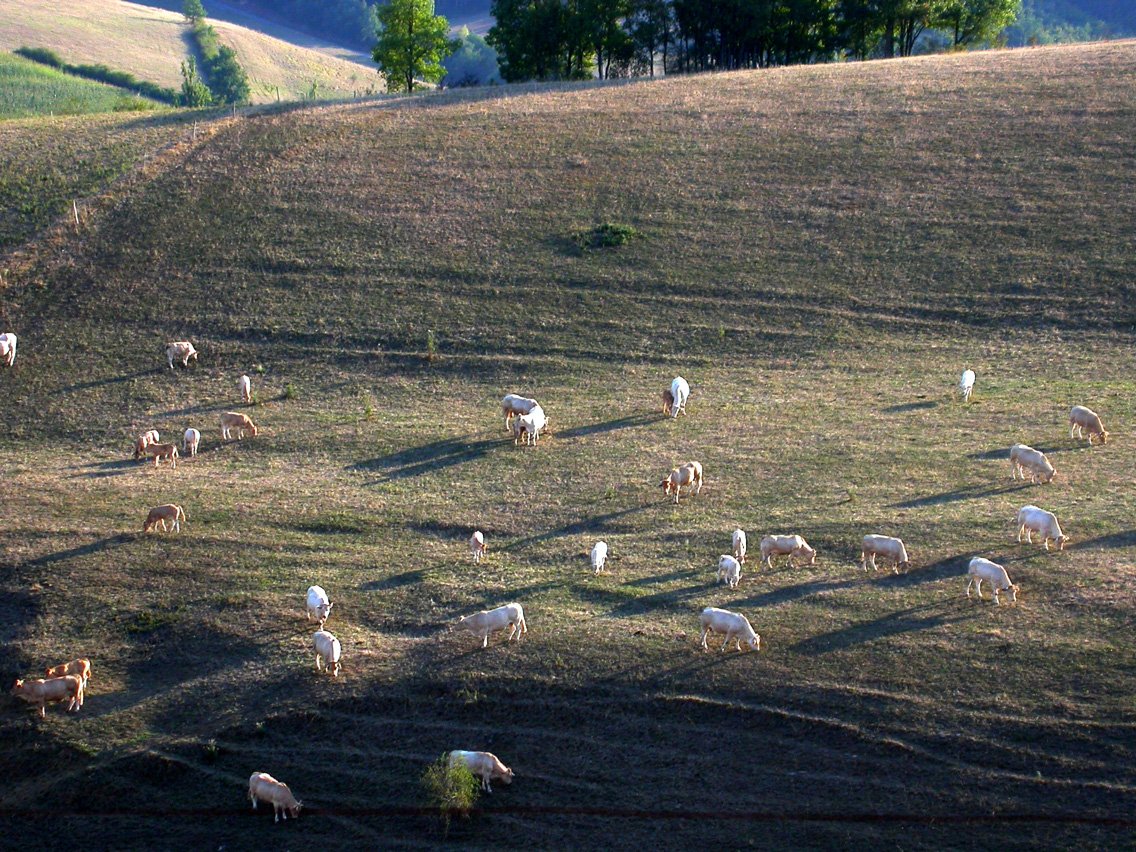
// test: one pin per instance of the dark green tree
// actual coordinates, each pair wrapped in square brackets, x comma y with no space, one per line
[193,10]
[412,42]
[194,93]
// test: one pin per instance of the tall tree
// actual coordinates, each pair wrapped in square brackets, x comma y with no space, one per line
[973,21]
[412,43]
[193,10]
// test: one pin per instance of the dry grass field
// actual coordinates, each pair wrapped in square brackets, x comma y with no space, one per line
[151,43]
[824,250]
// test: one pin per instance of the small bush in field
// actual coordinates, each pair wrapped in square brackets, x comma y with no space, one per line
[450,789]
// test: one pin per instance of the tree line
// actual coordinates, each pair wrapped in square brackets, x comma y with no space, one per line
[579,39]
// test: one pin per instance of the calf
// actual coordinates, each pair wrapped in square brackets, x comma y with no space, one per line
[599,556]
[163,451]
[740,545]
[161,514]
[231,420]
[513,405]
[245,385]
[145,440]
[729,570]
[191,441]
[328,652]
[180,350]
[1084,420]
[680,391]
[689,475]
[78,668]
[318,605]
[477,545]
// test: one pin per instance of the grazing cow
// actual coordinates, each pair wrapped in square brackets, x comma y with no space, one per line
[488,621]
[1031,520]
[966,384]
[983,569]
[740,545]
[514,404]
[180,350]
[477,545]
[263,787]
[1023,458]
[689,475]
[245,385]
[735,625]
[144,440]
[43,692]
[730,570]
[318,605]
[680,391]
[163,451]
[231,420]
[328,652]
[887,547]
[190,441]
[161,514]
[1085,420]
[599,556]
[782,545]
[483,765]
[528,426]
[78,668]
[8,348]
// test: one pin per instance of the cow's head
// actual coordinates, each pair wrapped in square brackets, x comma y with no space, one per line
[811,553]
[18,686]
[755,642]
[253,429]
[1061,539]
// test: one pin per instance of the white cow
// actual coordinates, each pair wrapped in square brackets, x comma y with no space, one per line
[1031,520]
[528,426]
[782,545]
[180,350]
[318,604]
[244,383]
[484,765]
[1086,421]
[510,615]
[735,625]
[328,652]
[513,405]
[886,546]
[477,545]
[263,787]
[966,384]
[983,569]
[729,570]
[599,556]
[191,441]
[8,348]
[740,545]
[1024,457]
[680,391]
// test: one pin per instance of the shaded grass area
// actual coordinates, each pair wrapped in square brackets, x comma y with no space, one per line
[29,89]
[317,249]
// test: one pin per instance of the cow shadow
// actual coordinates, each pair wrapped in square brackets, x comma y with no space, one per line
[81,550]
[594,524]
[913,619]
[629,422]
[950,566]
[101,470]
[112,380]
[970,492]
[1112,540]
[416,461]
[904,407]
[664,578]
[406,578]
[786,594]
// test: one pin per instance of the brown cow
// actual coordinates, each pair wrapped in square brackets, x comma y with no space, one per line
[42,692]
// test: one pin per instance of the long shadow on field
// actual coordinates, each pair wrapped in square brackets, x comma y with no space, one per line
[406,578]
[624,604]
[910,406]
[611,425]
[970,492]
[113,380]
[792,593]
[418,460]
[199,409]
[595,524]
[904,621]
[951,566]
[1117,539]
[664,578]
[1003,453]
[82,550]
[101,470]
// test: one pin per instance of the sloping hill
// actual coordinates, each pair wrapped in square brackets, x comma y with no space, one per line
[28,88]
[823,250]
[150,43]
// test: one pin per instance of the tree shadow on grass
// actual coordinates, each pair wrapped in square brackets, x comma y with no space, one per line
[610,426]
[81,550]
[910,620]
[98,383]
[969,492]
[1112,540]
[429,457]
[911,406]
[406,578]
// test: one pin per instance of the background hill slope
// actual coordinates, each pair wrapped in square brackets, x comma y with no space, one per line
[150,43]
[823,250]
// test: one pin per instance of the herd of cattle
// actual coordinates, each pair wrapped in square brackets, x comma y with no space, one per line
[525,420]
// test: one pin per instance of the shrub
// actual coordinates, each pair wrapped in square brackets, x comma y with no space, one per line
[101,73]
[607,235]
[450,789]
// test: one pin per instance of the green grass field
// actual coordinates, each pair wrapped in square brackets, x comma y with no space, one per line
[824,250]
[28,89]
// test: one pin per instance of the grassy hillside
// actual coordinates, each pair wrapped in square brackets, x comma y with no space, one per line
[27,89]
[151,43]
[824,249]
